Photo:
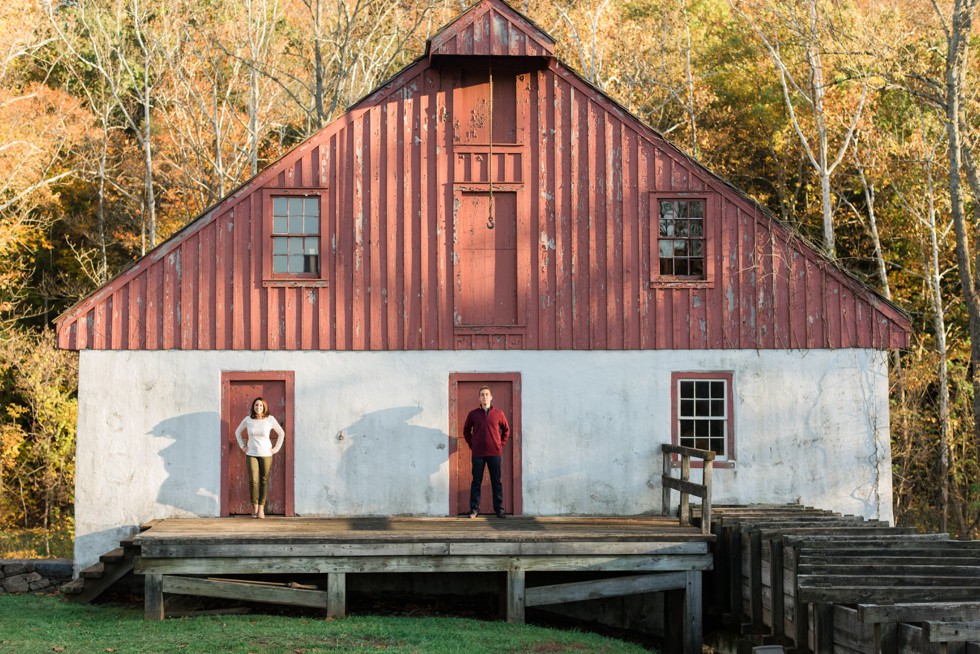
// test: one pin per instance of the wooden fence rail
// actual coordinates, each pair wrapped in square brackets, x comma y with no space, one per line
[684,484]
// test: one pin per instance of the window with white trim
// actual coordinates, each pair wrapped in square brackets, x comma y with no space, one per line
[702,412]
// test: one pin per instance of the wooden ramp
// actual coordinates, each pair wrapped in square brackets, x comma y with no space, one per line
[818,581]
[641,554]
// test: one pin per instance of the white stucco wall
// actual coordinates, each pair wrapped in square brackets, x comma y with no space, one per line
[809,427]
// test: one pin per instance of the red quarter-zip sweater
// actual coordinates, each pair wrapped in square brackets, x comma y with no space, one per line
[486,432]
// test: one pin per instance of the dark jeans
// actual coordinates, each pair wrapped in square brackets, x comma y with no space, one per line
[492,463]
[258,478]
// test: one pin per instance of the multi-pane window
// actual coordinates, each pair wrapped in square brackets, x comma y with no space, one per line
[296,236]
[680,242]
[703,414]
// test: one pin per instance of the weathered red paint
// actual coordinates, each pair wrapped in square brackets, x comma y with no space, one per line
[463,393]
[238,389]
[584,176]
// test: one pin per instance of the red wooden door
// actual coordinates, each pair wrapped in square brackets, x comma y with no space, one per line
[464,397]
[239,396]
[486,230]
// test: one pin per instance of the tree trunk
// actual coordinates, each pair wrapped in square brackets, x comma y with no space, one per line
[957,50]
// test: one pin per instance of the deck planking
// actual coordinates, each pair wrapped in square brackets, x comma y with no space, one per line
[652,529]
[659,553]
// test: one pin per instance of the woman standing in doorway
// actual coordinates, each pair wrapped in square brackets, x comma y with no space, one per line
[259,450]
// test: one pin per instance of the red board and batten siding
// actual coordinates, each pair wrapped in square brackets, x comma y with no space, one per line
[388,179]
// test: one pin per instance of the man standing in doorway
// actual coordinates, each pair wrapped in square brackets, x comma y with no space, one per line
[486,431]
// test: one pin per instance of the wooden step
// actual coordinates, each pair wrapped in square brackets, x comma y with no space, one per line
[93,571]
[115,556]
[73,587]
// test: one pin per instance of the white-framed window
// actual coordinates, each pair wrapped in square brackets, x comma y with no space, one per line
[702,413]
[294,238]
[683,231]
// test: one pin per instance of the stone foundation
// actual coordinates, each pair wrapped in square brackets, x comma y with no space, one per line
[33,575]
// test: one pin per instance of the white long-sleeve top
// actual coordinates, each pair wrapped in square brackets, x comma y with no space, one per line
[259,430]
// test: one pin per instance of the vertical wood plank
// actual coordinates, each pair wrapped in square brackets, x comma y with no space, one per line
[730,284]
[612,191]
[360,214]
[387,225]
[336,595]
[169,291]
[648,306]
[153,597]
[515,595]
[375,320]
[630,218]
[597,228]
[564,221]
[444,194]
[257,337]
[413,222]
[693,623]
[823,628]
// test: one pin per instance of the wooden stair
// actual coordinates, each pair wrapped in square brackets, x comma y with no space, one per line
[112,567]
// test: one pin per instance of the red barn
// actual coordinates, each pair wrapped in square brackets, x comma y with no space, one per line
[486,216]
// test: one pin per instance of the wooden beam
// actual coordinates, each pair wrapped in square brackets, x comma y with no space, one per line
[575,549]
[831,560]
[706,455]
[683,486]
[245,592]
[952,632]
[885,578]
[232,548]
[246,549]
[312,565]
[883,595]
[938,569]
[823,628]
[693,622]
[515,598]
[925,612]
[336,595]
[153,597]
[598,588]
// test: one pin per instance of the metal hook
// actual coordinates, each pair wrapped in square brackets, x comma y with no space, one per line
[490,222]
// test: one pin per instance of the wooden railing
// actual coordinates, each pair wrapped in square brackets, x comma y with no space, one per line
[686,486]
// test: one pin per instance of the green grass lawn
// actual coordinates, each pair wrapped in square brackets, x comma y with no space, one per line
[47,623]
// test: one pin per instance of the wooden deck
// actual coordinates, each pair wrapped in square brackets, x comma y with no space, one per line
[661,554]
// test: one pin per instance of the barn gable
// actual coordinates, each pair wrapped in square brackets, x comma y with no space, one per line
[401,193]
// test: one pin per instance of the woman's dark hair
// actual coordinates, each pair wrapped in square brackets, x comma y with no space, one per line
[265,407]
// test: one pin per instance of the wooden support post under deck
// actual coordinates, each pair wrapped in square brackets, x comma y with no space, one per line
[776,584]
[336,595]
[693,635]
[823,628]
[515,595]
[153,597]
[755,580]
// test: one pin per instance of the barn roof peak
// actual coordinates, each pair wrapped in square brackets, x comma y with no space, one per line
[491,28]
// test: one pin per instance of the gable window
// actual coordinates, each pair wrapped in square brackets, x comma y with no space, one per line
[296,236]
[680,246]
[702,413]
[681,238]
[293,253]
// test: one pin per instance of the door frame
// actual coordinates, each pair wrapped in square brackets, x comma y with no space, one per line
[515,427]
[227,429]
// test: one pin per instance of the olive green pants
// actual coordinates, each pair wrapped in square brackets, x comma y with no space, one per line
[258,478]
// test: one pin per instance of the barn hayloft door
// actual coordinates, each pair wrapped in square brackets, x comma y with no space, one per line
[464,390]
[488,156]
[238,390]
